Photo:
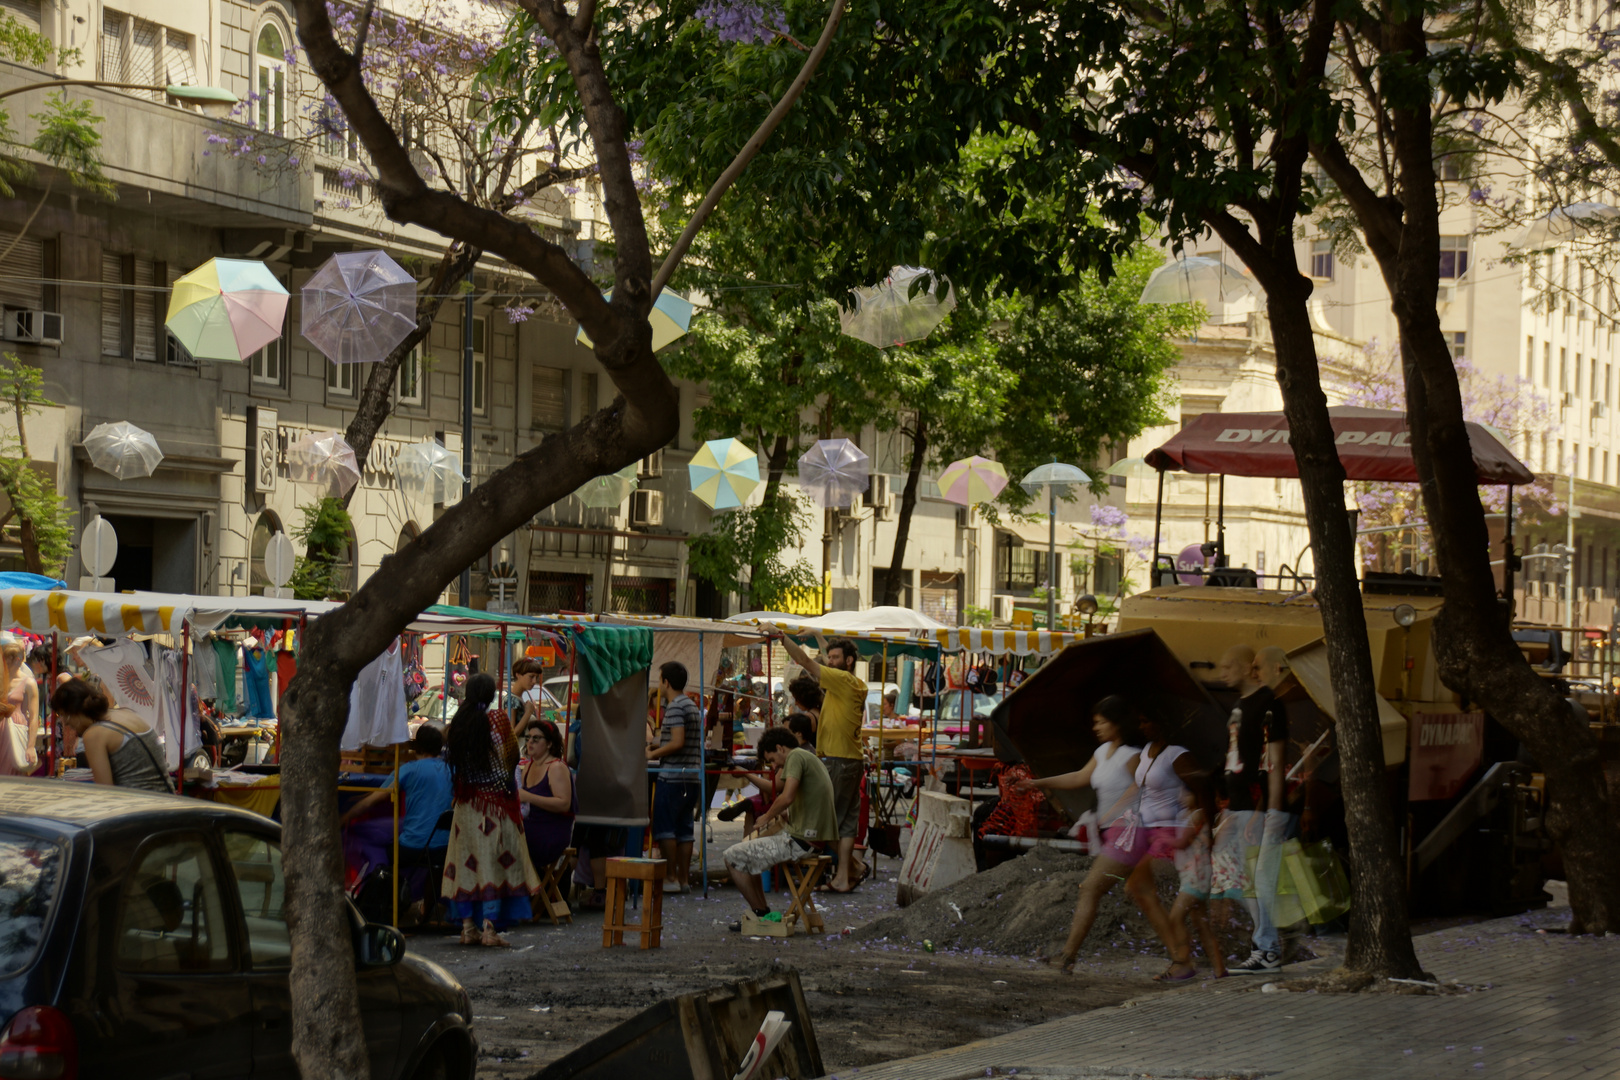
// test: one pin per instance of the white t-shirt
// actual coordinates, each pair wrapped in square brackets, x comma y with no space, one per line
[1111,780]
[1162,788]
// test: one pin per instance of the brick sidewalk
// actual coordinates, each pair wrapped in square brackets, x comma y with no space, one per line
[1546,1010]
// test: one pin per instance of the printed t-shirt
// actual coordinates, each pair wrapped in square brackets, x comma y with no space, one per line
[838,734]
[1259,719]
[811,816]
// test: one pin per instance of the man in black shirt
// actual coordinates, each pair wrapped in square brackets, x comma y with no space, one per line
[1257,735]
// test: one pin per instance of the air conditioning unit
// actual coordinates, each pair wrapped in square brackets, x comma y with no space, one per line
[884,510]
[651,467]
[1600,409]
[646,508]
[1001,608]
[877,492]
[967,517]
[38,327]
[1445,295]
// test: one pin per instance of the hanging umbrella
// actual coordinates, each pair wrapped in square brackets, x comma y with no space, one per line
[607,492]
[670,318]
[1132,468]
[972,480]
[427,465]
[1056,475]
[226,309]
[724,472]
[358,306]
[123,449]
[1565,223]
[887,314]
[834,473]
[1195,279]
[324,458]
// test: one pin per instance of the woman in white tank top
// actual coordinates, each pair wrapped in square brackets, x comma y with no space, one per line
[1165,774]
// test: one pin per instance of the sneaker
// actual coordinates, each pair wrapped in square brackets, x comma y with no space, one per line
[736,927]
[732,812]
[1260,962]
[672,887]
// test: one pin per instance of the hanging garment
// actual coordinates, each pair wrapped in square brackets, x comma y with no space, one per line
[204,671]
[256,682]
[127,673]
[225,658]
[377,709]
[286,668]
[177,733]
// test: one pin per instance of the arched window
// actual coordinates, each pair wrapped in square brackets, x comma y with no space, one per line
[270,64]
[263,529]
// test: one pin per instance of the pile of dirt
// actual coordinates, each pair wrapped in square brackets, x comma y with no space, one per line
[1021,908]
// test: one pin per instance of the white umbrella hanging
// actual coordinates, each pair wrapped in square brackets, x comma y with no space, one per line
[323,457]
[123,449]
[887,314]
[834,472]
[607,492]
[358,306]
[1195,279]
[428,466]
[1568,223]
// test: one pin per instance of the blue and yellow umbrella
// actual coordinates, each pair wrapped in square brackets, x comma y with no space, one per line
[670,318]
[724,472]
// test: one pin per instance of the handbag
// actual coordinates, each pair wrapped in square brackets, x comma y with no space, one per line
[1318,879]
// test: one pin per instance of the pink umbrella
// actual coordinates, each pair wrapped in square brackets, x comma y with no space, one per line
[972,480]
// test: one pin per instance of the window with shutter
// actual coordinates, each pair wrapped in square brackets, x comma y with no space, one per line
[550,399]
[174,352]
[145,343]
[145,59]
[180,71]
[22,271]
[112,305]
[114,46]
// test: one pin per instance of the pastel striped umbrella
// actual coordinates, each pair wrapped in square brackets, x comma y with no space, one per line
[670,318]
[724,472]
[972,480]
[227,309]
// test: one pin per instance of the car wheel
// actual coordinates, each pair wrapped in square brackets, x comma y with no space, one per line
[434,1065]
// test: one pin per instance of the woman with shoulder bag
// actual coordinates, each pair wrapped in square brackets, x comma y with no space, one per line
[120,748]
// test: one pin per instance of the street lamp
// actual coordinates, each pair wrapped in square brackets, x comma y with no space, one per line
[214,101]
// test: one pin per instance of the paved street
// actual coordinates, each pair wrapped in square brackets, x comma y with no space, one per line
[1543,1009]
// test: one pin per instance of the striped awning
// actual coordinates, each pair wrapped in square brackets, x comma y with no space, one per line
[970,638]
[40,612]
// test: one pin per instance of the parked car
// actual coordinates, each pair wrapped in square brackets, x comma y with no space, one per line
[144,935]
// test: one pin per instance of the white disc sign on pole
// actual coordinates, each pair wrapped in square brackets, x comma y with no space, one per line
[278,565]
[98,551]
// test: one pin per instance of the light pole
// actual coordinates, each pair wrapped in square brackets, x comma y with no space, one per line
[1052,477]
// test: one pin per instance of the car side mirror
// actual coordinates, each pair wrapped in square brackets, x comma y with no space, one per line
[380,945]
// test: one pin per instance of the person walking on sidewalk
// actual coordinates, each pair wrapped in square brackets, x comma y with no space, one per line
[1255,767]
[838,740]
[679,759]
[805,802]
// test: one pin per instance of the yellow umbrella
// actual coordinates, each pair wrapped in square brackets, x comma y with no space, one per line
[724,472]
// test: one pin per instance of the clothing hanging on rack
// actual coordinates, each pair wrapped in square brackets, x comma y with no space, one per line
[286,668]
[123,667]
[204,670]
[225,653]
[377,711]
[256,682]
[170,722]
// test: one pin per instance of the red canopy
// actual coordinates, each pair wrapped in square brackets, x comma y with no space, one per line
[1373,445]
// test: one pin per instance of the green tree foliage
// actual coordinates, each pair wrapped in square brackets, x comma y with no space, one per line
[322,572]
[743,553]
[69,136]
[38,514]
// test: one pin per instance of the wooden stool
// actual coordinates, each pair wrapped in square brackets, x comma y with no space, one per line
[551,902]
[651,873]
[803,875]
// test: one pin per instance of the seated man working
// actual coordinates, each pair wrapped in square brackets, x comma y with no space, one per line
[806,800]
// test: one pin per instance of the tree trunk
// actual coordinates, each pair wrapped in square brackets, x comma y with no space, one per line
[908,503]
[775,469]
[1474,647]
[377,399]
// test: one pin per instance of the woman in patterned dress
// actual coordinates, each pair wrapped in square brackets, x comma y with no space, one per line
[488,877]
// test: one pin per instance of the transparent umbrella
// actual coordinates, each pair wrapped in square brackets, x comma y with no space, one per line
[323,457]
[1132,468]
[358,306]
[425,466]
[607,492]
[1195,279]
[887,314]
[1566,223]
[834,472]
[123,449]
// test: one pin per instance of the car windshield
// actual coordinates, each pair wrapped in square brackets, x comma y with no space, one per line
[30,873]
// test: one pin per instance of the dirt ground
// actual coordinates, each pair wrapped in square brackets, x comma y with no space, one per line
[870,1001]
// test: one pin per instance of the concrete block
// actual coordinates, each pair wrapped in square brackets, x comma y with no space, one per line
[941,851]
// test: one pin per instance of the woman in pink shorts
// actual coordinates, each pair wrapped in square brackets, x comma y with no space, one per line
[1165,776]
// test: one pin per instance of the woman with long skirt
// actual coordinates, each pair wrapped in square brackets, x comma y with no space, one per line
[488,877]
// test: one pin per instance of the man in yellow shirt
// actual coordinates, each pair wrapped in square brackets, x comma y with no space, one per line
[838,740]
